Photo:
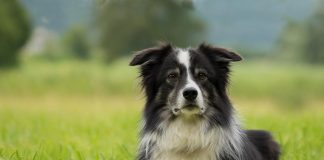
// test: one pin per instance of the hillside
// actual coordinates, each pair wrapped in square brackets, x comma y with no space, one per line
[253,23]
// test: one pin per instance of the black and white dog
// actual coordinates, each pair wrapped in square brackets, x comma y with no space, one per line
[188,115]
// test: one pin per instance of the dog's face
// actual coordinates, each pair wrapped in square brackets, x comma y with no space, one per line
[184,81]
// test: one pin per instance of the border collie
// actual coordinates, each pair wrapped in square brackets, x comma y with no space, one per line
[188,114]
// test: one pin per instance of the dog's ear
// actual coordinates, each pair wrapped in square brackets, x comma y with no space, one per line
[150,55]
[219,54]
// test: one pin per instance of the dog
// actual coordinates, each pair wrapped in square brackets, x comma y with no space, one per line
[188,114]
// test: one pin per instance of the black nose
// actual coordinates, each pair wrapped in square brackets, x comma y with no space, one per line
[190,94]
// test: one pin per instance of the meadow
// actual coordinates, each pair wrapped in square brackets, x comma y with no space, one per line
[72,110]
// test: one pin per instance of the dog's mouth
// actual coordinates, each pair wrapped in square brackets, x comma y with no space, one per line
[189,109]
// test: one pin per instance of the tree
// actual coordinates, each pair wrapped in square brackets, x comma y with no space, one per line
[305,40]
[128,25]
[14,31]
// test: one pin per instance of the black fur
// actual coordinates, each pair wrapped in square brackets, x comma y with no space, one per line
[264,143]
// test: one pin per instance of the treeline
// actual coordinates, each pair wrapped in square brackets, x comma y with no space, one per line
[120,27]
[123,26]
[304,41]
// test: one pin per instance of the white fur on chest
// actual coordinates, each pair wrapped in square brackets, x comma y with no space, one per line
[185,140]
[190,140]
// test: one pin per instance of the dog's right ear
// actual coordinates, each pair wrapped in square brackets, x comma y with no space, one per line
[150,55]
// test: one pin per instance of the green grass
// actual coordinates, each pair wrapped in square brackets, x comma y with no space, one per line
[77,132]
[88,110]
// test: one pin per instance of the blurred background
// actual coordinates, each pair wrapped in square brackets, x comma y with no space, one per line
[67,92]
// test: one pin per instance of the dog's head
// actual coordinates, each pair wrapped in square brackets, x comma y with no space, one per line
[185,82]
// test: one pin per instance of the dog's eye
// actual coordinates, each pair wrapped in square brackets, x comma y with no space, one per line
[172,76]
[202,76]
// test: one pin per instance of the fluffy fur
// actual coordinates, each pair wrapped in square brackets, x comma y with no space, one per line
[188,115]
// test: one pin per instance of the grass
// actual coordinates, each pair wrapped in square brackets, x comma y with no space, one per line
[87,110]
[68,128]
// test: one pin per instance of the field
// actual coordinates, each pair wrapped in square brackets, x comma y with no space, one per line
[90,111]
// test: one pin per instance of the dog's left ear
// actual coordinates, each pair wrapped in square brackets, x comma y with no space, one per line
[150,55]
[219,54]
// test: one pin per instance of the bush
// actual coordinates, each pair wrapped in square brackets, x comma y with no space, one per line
[77,44]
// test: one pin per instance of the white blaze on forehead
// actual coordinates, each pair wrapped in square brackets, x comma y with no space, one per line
[184,59]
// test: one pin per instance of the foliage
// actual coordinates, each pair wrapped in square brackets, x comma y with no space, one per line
[14,31]
[128,25]
[53,51]
[76,42]
[304,41]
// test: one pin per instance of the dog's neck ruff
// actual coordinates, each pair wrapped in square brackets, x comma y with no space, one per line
[192,140]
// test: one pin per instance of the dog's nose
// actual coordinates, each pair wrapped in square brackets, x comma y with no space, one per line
[190,94]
